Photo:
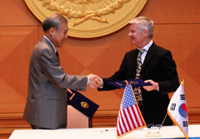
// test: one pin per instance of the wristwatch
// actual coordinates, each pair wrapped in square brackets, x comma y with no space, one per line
[157,88]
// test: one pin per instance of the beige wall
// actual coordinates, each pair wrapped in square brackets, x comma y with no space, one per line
[177,28]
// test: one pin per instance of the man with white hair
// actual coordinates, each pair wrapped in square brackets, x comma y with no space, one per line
[151,63]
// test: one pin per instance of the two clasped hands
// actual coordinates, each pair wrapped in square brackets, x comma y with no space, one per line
[95,82]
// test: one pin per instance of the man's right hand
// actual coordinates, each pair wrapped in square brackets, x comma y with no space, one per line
[94,81]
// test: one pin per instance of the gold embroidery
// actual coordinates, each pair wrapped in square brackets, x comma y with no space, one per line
[72,96]
[84,104]
[119,84]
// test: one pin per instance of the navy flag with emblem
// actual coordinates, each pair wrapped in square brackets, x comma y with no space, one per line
[81,103]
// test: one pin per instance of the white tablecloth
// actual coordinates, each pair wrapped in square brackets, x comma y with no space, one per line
[167,132]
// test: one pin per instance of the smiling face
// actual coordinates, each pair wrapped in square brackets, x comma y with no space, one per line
[58,36]
[138,36]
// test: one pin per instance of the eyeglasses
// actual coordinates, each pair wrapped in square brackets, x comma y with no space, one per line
[154,128]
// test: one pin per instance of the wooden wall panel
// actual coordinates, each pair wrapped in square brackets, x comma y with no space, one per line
[15,49]
[16,13]
[172,11]
[182,40]
[177,24]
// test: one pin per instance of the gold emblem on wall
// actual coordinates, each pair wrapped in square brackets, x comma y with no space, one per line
[89,18]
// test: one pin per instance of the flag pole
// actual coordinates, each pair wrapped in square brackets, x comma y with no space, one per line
[182,82]
[178,101]
[162,122]
[126,82]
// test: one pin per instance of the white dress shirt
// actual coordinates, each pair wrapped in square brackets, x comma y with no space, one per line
[146,47]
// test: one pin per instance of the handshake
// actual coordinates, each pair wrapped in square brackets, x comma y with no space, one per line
[94,81]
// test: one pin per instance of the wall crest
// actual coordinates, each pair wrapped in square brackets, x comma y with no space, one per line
[89,18]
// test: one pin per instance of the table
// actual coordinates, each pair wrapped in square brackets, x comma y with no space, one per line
[167,132]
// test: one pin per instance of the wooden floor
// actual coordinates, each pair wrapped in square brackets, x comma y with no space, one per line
[11,121]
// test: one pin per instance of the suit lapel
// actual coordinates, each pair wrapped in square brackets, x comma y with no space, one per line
[49,44]
[133,63]
[45,40]
[149,55]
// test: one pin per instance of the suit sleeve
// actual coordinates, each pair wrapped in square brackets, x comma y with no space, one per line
[55,73]
[171,82]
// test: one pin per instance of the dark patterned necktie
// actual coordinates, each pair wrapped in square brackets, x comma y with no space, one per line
[57,55]
[137,90]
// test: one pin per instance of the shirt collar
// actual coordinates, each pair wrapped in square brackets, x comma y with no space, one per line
[146,47]
[54,48]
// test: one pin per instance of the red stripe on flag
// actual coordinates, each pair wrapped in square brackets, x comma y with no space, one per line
[120,124]
[141,119]
[135,115]
[127,119]
[118,132]
[131,117]
[123,121]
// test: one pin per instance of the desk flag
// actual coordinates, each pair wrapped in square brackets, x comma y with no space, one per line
[177,110]
[129,117]
[81,103]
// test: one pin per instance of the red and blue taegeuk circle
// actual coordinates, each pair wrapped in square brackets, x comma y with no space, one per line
[183,110]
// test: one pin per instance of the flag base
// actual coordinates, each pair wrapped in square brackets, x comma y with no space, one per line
[153,134]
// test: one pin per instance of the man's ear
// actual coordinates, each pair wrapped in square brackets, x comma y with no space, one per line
[146,32]
[51,31]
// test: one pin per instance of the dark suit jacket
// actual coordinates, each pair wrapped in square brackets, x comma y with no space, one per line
[47,98]
[158,66]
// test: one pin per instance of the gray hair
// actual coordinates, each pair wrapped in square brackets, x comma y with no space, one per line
[144,23]
[53,21]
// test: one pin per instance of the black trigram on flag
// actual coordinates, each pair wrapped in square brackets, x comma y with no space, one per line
[185,123]
[182,97]
[173,106]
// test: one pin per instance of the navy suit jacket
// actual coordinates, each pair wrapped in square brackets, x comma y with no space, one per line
[158,66]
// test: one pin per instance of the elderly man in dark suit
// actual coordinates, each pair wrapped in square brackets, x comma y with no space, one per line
[46,106]
[156,67]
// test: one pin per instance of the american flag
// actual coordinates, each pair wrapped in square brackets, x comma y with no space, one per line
[129,117]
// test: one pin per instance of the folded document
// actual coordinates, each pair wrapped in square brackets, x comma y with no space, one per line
[82,103]
[134,82]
